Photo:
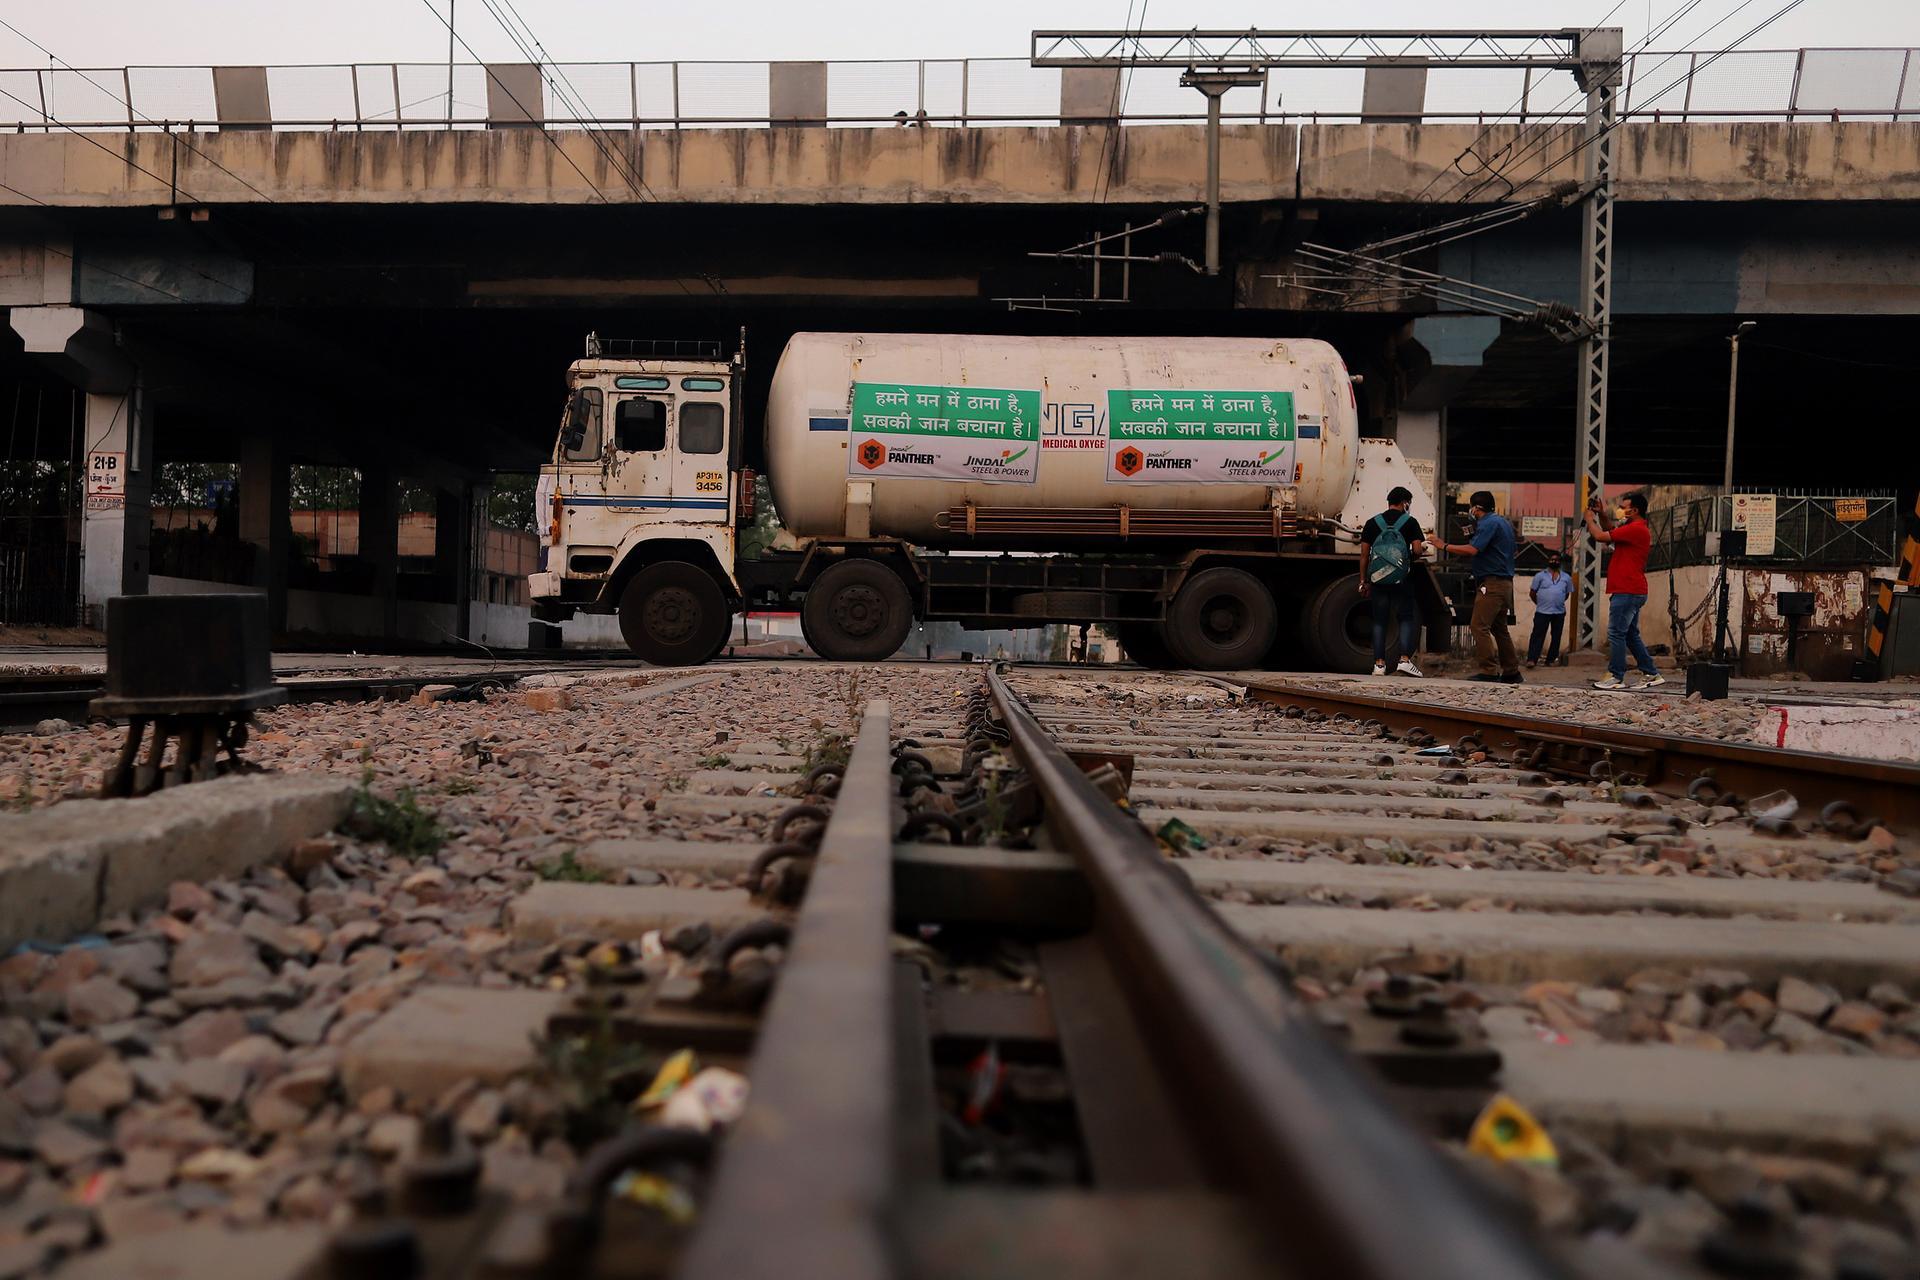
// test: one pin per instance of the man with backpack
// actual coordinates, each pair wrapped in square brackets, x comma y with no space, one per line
[1388,544]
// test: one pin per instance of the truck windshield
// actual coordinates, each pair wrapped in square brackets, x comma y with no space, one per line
[580,431]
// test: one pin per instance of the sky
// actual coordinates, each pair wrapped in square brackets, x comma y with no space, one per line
[113,33]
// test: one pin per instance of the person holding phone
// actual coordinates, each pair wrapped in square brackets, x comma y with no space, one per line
[1627,530]
[1491,572]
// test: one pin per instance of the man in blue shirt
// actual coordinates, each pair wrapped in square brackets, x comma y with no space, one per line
[1491,571]
[1549,593]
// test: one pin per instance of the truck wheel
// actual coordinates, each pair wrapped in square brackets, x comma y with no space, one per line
[673,614]
[857,611]
[1336,627]
[1221,620]
[1146,644]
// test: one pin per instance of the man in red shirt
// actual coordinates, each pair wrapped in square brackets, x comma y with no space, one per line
[1626,587]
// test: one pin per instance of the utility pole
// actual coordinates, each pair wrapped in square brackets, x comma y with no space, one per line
[1598,74]
[1733,391]
[1215,85]
[450,4]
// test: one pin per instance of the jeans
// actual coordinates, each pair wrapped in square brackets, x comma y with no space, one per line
[1492,644]
[1623,635]
[1542,624]
[1389,598]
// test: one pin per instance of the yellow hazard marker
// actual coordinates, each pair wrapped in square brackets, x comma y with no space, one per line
[1907,576]
[1507,1131]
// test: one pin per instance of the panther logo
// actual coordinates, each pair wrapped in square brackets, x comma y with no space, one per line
[1129,461]
[872,454]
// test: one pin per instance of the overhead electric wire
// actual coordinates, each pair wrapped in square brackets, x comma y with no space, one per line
[132,110]
[571,97]
[1543,142]
[1110,155]
[1564,111]
[1517,104]
[537,122]
[1694,69]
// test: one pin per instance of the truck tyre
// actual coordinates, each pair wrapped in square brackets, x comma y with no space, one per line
[856,611]
[673,614]
[1221,620]
[1146,644]
[1336,627]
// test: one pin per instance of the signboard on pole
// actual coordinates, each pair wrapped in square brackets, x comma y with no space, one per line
[988,434]
[1166,435]
[1849,510]
[1755,512]
[1540,527]
[106,481]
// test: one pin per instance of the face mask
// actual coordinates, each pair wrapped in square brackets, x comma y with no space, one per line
[1622,514]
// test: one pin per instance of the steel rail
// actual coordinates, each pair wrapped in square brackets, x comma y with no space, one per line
[1345,1186]
[1668,763]
[804,1182]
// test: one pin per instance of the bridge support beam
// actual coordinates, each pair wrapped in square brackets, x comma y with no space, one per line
[453,552]
[380,540]
[266,519]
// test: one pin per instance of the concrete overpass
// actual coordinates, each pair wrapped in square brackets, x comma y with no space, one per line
[404,302]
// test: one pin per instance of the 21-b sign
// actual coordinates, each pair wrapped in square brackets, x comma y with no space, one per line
[106,473]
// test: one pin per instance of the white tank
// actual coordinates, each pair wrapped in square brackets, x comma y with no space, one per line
[1204,423]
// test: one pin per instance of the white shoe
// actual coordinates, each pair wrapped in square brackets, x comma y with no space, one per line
[1379,668]
[1610,683]
[1406,668]
[1653,682]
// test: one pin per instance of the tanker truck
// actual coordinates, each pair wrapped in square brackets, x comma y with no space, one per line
[1198,496]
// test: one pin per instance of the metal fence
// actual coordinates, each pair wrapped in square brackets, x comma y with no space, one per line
[1782,84]
[1810,530]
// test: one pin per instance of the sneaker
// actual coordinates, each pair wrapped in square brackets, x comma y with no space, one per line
[1610,683]
[1512,677]
[1531,664]
[1379,668]
[1653,682]
[1406,668]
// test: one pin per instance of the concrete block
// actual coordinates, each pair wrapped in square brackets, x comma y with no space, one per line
[557,909]
[1512,948]
[1558,891]
[737,782]
[797,92]
[1505,808]
[711,858]
[1753,1100]
[1348,826]
[439,1036]
[683,805]
[64,867]
[206,1249]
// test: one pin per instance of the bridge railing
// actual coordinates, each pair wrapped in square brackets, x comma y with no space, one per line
[1781,84]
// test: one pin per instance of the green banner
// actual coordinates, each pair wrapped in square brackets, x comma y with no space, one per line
[1183,436]
[988,434]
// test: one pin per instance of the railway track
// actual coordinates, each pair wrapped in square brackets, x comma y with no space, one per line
[1132,975]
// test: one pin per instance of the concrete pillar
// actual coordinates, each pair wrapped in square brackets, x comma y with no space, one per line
[116,527]
[1447,356]
[380,541]
[453,551]
[266,520]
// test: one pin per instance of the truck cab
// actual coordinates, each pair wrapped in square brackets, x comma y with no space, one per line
[637,503]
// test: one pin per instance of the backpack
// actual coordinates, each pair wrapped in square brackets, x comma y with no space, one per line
[1388,556]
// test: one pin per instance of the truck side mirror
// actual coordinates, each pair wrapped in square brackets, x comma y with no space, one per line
[579,414]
